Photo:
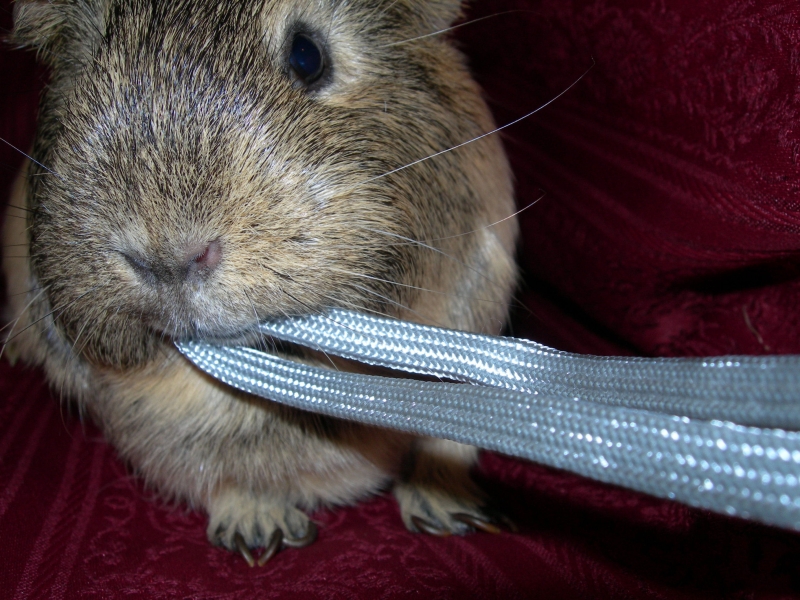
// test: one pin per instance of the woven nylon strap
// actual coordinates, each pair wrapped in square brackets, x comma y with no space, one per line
[718,433]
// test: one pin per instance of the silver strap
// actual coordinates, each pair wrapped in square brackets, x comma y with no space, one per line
[700,431]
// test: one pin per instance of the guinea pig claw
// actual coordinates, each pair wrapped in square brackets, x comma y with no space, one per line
[308,538]
[510,525]
[243,549]
[500,519]
[426,527]
[273,547]
[477,523]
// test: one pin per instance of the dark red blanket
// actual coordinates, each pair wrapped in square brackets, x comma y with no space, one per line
[669,224]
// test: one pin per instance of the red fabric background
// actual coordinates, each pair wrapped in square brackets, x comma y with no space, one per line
[670,225]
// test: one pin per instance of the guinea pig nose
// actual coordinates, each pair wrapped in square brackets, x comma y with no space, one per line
[192,261]
[203,258]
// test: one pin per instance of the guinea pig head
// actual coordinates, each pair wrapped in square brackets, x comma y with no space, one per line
[206,164]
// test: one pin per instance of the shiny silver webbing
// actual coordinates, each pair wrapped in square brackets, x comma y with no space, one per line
[709,432]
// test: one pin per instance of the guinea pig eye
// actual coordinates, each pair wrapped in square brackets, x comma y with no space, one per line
[306,59]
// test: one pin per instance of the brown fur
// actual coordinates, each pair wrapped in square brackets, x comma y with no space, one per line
[170,126]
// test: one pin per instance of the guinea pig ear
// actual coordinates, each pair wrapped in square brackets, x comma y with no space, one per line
[435,15]
[58,29]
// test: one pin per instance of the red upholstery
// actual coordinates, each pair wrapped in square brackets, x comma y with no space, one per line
[670,225]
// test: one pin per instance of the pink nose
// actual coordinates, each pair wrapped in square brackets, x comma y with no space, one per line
[197,261]
[202,259]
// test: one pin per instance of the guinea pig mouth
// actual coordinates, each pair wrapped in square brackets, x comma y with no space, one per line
[234,337]
[246,334]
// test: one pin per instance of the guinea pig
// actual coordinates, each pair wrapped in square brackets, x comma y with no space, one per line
[202,165]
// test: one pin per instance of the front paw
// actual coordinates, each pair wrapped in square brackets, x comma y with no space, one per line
[243,521]
[437,495]
[441,512]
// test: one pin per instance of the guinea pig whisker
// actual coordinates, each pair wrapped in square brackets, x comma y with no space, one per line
[481,136]
[410,241]
[389,281]
[379,13]
[282,275]
[39,292]
[481,274]
[23,208]
[30,158]
[14,323]
[162,335]
[33,289]
[407,241]
[75,348]
[11,335]
[58,310]
[261,336]
[412,287]
[395,303]
[503,220]
[459,26]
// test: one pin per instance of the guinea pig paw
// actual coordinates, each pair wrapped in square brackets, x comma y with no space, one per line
[435,512]
[243,522]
